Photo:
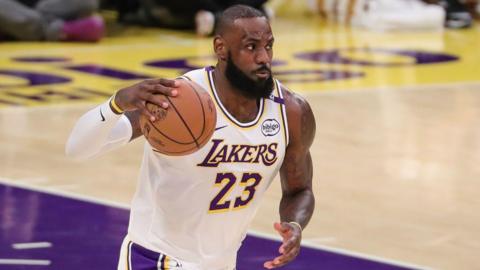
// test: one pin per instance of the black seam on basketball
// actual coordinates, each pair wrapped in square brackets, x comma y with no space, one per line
[164,135]
[203,109]
[173,153]
[184,122]
[179,152]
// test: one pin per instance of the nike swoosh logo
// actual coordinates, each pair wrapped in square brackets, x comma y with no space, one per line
[101,114]
[220,127]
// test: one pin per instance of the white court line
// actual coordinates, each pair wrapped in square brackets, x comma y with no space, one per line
[24,262]
[32,245]
[349,253]
[323,239]
[71,195]
[305,243]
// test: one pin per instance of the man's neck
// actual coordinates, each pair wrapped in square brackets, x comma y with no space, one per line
[243,108]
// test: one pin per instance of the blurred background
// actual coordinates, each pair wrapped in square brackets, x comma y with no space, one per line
[394,86]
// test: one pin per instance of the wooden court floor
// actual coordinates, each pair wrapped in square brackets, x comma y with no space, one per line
[396,153]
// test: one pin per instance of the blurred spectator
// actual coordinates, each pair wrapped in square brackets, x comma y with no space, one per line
[178,14]
[387,15]
[458,15]
[384,15]
[53,20]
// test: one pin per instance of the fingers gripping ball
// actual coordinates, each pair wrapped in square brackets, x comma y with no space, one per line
[187,124]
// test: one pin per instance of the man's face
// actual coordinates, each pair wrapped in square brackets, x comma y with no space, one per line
[249,60]
[254,88]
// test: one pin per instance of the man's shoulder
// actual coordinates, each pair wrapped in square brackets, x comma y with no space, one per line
[300,118]
[196,72]
[199,76]
[293,101]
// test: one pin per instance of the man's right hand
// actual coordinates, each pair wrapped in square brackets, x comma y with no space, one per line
[135,97]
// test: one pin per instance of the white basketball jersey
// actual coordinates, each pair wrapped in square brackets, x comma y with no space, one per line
[196,208]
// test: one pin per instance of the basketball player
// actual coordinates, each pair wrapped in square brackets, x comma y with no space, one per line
[192,212]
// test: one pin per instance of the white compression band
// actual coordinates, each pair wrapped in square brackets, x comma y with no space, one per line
[98,131]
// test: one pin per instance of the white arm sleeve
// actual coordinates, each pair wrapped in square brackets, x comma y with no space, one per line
[98,131]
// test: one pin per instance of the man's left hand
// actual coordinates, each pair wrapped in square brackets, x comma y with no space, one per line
[292,236]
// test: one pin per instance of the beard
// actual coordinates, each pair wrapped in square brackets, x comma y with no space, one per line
[251,88]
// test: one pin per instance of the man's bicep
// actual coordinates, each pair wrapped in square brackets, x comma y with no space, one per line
[296,171]
[134,118]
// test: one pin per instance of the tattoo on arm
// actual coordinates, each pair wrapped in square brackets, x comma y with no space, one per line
[298,201]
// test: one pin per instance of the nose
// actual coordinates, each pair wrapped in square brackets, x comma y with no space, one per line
[262,57]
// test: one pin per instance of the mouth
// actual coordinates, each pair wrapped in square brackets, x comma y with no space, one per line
[263,74]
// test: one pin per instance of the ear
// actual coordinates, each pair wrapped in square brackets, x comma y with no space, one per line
[220,48]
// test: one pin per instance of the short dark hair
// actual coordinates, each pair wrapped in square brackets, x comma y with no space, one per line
[229,15]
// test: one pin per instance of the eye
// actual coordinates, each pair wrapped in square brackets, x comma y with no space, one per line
[269,47]
[250,47]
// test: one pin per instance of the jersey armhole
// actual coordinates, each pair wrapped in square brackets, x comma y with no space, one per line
[283,111]
[185,77]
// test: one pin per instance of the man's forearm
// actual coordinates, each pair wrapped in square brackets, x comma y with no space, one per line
[297,207]
[97,131]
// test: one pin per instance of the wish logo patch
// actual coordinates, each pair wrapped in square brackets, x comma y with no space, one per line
[270,127]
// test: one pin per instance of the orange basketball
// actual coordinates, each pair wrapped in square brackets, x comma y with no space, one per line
[186,125]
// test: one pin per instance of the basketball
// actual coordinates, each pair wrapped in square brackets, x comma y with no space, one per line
[186,125]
